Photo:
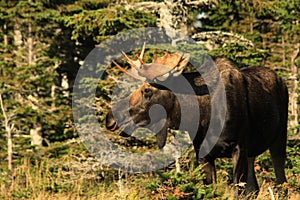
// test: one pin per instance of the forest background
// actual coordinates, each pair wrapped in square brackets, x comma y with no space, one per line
[43,44]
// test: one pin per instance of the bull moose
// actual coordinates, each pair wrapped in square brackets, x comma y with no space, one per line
[256,117]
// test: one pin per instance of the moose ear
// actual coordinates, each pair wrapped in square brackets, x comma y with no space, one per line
[147,93]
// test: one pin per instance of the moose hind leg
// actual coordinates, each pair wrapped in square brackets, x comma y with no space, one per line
[240,170]
[252,185]
[278,155]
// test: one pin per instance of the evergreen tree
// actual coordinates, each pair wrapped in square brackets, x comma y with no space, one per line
[43,41]
[273,26]
[29,77]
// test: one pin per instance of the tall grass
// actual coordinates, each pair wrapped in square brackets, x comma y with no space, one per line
[77,176]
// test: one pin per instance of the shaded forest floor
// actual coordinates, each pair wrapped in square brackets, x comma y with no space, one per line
[67,171]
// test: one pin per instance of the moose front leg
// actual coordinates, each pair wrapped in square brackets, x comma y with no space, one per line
[240,170]
[208,167]
[161,137]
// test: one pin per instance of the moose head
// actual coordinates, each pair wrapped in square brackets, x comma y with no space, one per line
[152,105]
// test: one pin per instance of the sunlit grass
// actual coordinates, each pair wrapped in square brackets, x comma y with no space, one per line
[73,174]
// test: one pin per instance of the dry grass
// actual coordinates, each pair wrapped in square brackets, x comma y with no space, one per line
[71,178]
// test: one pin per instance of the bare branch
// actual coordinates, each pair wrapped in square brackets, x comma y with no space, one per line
[214,39]
[199,3]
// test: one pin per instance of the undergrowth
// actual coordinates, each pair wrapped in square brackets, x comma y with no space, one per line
[67,171]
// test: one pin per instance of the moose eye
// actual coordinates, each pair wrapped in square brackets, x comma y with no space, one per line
[147,92]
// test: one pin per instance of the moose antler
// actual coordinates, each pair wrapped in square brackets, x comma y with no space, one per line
[160,68]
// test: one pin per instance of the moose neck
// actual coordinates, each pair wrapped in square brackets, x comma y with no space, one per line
[186,112]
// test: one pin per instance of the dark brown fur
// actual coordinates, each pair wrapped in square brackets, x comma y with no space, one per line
[256,119]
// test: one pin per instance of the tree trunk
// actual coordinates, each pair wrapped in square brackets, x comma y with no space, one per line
[283,49]
[251,21]
[36,135]
[30,42]
[5,40]
[30,45]
[294,91]
[172,14]
[17,36]
[294,123]
[65,85]
[8,128]
[9,149]
[5,37]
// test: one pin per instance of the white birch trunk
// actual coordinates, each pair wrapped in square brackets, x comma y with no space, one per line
[294,123]
[36,135]
[9,129]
